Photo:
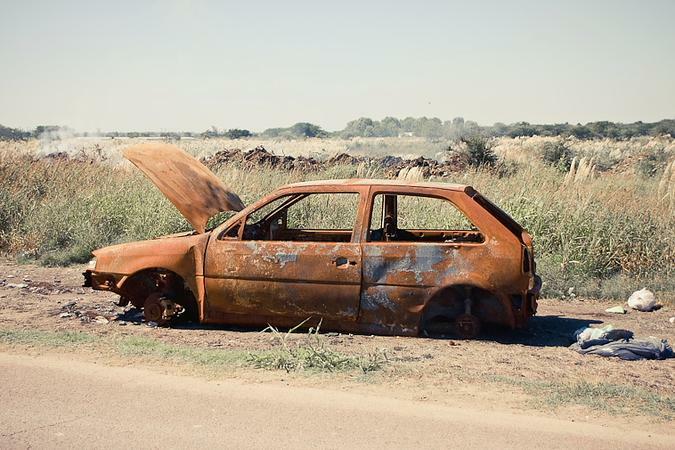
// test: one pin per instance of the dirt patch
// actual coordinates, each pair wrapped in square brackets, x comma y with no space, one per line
[532,360]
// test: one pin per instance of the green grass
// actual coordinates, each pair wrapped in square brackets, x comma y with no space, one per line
[310,354]
[611,398]
[148,348]
[46,338]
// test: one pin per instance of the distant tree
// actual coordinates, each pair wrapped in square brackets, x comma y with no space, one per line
[236,133]
[299,130]
[581,132]
[429,127]
[305,129]
[390,126]
[13,134]
[522,129]
[362,127]
[408,124]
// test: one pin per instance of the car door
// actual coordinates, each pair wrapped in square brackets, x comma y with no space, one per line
[414,242]
[299,266]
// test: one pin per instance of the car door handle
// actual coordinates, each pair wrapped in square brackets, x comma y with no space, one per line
[343,263]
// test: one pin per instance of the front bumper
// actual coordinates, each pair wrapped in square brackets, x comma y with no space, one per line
[101,281]
[87,278]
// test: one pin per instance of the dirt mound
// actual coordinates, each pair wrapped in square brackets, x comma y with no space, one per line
[259,156]
[392,165]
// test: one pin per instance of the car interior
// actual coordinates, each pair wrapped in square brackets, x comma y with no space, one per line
[394,218]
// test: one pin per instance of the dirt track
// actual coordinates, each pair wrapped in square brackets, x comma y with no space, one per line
[50,402]
[489,380]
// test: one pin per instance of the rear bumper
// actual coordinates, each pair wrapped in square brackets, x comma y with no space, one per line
[533,295]
[537,286]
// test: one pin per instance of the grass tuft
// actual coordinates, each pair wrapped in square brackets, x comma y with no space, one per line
[313,354]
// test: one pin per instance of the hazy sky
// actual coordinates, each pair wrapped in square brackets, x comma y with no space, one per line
[187,65]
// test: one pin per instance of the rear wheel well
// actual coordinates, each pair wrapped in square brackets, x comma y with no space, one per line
[139,286]
[448,304]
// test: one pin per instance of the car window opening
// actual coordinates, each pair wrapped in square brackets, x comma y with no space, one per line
[418,218]
[314,217]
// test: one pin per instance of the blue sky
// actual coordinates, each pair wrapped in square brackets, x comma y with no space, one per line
[188,65]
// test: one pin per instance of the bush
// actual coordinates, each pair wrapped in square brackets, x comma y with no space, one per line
[476,151]
[558,155]
[652,162]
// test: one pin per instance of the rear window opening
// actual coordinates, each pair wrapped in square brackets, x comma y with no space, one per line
[506,220]
[419,218]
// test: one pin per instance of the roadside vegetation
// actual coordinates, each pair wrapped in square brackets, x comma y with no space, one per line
[602,212]
[290,352]
[606,397]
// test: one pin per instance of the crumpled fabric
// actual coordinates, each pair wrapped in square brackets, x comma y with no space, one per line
[611,342]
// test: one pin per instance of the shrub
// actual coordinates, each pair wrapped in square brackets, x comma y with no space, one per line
[558,155]
[475,150]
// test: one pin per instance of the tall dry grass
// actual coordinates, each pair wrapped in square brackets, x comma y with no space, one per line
[600,235]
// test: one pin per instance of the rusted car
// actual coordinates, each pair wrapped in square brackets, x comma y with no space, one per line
[362,256]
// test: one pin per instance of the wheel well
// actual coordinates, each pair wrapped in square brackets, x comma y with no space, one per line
[148,281]
[448,303]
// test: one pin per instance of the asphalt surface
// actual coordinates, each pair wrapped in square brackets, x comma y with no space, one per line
[50,402]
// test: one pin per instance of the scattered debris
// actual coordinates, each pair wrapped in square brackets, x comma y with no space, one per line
[152,324]
[17,285]
[608,341]
[671,320]
[616,310]
[101,320]
[642,300]
[65,315]
[588,336]
[132,315]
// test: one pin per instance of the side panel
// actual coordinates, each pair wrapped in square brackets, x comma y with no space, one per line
[262,279]
[399,278]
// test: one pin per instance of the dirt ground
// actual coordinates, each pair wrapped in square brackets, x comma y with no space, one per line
[501,370]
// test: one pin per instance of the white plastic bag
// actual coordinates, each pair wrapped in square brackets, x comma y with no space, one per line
[642,300]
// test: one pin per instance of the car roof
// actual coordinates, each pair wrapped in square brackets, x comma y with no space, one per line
[376,182]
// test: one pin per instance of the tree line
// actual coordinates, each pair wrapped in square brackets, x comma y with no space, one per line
[431,128]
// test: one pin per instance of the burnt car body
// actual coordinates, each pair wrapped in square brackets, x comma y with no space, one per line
[362,256]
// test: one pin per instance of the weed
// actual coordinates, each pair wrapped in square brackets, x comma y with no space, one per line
[610,398]
[312,354]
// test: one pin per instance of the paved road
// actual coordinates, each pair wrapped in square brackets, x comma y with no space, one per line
[49,402]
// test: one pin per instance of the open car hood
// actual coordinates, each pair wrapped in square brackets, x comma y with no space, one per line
[187,183]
